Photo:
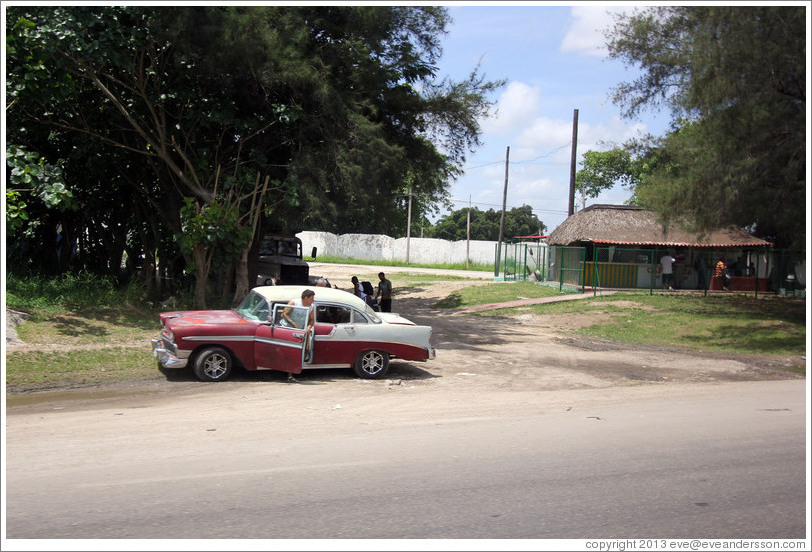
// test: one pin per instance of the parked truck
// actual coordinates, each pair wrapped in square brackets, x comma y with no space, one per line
[279,262]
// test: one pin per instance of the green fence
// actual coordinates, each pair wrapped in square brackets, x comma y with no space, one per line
[764,270]
[522,261]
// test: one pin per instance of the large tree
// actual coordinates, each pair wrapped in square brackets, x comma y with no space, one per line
[602,170]
[734,78]
[304,115]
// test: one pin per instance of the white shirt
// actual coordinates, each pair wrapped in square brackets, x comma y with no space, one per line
[298,303]
[666,261]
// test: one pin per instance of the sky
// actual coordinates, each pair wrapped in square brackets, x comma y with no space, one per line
[554,61]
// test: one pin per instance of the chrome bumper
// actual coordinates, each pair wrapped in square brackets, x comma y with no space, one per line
[166,357]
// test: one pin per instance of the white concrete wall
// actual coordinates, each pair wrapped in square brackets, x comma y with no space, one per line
[377,247]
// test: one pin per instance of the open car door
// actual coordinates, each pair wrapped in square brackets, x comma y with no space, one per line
[284,346]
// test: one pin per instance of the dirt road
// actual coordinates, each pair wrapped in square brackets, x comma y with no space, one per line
[526,352]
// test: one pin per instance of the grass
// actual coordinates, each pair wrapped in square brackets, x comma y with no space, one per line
[444,266]
[91,332]
[42,370]
[739,324]
[497,292]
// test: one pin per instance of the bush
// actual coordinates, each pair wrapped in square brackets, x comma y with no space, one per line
[68,290]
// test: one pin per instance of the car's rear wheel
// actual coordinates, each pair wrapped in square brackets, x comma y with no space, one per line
[371,365]
[213,364]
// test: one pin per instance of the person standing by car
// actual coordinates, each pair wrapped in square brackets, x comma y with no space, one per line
[357,289]
[308,296]
[384,294]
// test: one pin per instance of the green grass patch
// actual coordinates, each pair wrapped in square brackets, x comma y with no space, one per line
[40,370]
[89,327]
[497,292]
[444,266]
[717,323]
[67,291]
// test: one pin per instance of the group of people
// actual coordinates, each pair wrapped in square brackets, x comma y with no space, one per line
[721,270]
[383,297]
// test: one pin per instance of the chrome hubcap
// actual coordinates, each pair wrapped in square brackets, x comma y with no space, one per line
[372,363]
[216,366]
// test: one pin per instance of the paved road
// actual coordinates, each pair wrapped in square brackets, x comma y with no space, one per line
[707,461]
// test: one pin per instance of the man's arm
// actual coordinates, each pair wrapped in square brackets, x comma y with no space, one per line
[286,315]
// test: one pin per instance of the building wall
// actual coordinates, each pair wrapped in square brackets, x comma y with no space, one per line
[377,247]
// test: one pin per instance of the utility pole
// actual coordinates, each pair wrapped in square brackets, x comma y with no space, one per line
[408,223]
[504,206]
[572,161]
[468,235]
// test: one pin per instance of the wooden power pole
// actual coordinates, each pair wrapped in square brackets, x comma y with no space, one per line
[468,235]
[502,220]
[571,210]
[408,224]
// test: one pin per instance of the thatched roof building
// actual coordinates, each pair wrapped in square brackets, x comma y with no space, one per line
[636,226]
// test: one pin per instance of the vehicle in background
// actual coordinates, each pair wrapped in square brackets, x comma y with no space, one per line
[346,333]
[279,262]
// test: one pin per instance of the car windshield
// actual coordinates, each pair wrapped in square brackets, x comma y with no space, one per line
[370,312]
[254,307]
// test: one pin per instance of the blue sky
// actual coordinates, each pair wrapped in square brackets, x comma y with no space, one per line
[554,60]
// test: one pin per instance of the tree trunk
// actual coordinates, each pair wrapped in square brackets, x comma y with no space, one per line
[227,283]
[201,277]
[241,275]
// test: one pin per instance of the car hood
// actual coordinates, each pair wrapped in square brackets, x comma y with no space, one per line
[200,318]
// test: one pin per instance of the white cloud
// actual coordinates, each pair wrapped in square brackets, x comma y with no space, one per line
[585,35]
[545,135]
[518,104]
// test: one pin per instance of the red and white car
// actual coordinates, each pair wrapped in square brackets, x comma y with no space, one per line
[347,334]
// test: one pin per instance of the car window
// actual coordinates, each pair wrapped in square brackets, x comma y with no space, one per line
[254,306]
[373,317]
[358,318]
[296,315]
[333,314]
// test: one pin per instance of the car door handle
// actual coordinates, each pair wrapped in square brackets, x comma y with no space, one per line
[350,330]
[298,335]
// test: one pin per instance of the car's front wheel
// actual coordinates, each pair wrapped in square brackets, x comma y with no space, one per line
[371,365]
[213,364]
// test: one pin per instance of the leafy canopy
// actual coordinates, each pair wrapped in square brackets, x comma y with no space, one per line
[734,79]
[143,108]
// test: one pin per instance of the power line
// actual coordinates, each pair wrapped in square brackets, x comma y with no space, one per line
[556,150]
[548,154]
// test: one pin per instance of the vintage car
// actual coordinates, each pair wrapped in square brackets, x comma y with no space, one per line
[346,333]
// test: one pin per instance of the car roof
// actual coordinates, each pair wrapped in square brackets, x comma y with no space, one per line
[287,293]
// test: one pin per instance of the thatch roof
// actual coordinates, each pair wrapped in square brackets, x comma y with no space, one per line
[629,225]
